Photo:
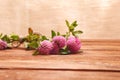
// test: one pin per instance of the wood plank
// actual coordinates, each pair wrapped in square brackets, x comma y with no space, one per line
[101,42]
[100,53]
[95,57]
[82,61]
[74,65]
[57,75]
[110,45]
[103,47]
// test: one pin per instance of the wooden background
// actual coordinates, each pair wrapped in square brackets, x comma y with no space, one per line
[100,60]
[99,19]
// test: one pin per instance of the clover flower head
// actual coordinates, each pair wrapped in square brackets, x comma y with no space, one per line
[3,45]
[55,48]
[73,44]
[60,41]
[45,47]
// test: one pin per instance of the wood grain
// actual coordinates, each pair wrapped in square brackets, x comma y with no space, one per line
[57,75]
[96,62]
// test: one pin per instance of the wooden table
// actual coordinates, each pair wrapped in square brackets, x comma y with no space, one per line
[100,60]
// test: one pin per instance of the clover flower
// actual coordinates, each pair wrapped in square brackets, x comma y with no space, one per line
[60,41]
[46,47]
[3,45]
[55,48]
[73,44]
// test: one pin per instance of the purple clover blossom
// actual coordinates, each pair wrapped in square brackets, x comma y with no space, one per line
[3,45]
[45,48]
[55,49]
[73,44]
[60,41]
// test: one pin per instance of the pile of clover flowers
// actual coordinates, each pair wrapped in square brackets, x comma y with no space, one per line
[58,43]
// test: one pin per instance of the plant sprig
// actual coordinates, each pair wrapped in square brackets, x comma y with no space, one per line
[71,28]
[33,39]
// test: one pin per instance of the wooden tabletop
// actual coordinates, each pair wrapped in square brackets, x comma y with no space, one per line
[100,60]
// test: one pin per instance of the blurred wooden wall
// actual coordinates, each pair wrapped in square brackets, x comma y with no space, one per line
[99,19]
